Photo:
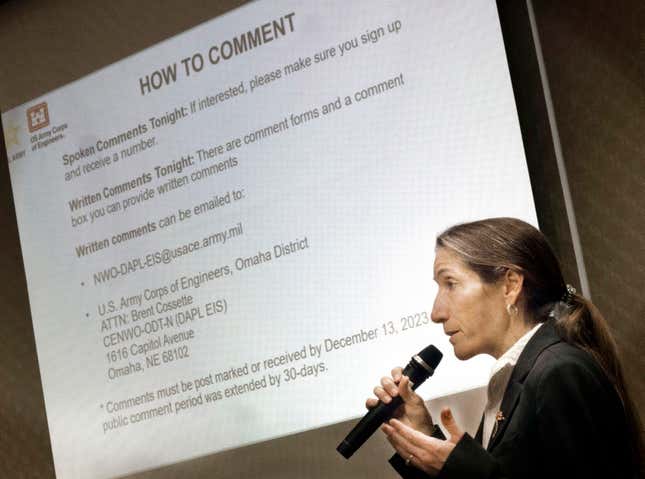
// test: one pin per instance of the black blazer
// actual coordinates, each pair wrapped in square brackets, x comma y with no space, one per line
[563,419]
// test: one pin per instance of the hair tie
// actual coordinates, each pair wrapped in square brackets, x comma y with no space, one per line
[568,295]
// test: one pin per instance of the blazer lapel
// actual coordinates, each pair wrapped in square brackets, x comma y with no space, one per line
[511,396]
[543,338]
[480,431]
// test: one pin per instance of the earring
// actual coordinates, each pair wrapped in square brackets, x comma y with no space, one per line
[511,309]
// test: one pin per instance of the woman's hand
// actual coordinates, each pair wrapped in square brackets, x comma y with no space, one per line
[413,412]
[423,452]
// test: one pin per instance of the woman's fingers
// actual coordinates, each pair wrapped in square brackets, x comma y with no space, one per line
[406,440]
[405,389]
[424,452]
[382,394]
[387,390]
[371,402]
[390,386]
[408,434]
[448,420]
[412,412]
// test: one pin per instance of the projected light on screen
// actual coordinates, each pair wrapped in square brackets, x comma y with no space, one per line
[242,217]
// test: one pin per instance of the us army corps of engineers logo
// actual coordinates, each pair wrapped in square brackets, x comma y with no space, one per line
[38,120]
[37,117]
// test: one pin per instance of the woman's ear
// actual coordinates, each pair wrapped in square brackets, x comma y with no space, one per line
[512,284]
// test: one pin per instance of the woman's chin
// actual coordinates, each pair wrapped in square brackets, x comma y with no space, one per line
[462,352]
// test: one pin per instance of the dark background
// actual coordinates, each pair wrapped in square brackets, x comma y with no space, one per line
[595,58]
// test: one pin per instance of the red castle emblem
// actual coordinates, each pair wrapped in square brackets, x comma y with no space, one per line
[37,117]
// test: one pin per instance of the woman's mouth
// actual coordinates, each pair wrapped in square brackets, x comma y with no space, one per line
[451,334]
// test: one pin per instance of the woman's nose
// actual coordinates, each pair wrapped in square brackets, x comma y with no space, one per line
[439,311]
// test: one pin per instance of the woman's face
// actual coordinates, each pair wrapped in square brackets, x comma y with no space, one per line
[472,313]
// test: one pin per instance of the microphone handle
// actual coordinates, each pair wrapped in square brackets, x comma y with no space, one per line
[375,417]
[366,426]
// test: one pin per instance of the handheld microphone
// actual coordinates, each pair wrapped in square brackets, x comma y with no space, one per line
[420,368]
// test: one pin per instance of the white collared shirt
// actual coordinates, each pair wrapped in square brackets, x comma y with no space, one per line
[499,377]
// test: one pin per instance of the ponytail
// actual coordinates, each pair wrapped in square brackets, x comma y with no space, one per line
[582,325]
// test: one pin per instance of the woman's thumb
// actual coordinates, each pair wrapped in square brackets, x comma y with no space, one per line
[448,421]
[405,389]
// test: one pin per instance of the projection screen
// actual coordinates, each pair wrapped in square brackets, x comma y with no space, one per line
[240,219]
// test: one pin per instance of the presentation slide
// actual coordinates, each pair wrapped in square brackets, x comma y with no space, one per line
[229,237]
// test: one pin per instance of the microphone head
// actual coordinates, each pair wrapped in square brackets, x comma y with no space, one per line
[422,365]
[431,356]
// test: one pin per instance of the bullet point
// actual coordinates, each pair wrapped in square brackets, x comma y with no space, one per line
[82,284]
[87,315]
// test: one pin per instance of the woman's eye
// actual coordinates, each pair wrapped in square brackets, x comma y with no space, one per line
[451,284]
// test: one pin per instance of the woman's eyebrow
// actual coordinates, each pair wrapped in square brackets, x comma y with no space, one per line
[440,272]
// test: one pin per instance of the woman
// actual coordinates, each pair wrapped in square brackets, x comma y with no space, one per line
[557,402]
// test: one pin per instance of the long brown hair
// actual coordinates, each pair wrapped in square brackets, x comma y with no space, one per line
[492,246]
